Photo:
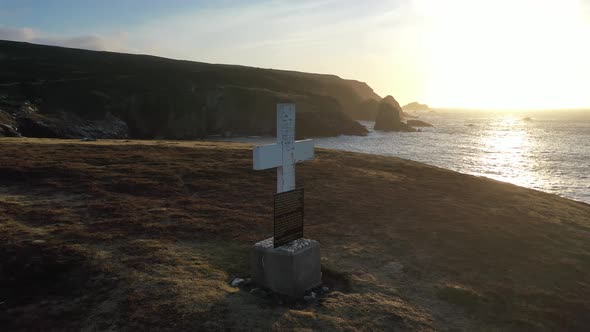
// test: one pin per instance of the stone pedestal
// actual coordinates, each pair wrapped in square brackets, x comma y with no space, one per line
[290,270]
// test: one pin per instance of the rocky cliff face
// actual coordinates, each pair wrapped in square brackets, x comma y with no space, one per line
[367,110]
[163,98]
[21,118]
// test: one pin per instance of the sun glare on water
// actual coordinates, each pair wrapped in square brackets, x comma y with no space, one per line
[507,148]
[506,54]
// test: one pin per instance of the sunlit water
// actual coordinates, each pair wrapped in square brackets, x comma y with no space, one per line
[550,152]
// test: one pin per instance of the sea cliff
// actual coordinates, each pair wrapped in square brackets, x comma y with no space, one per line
[74,92]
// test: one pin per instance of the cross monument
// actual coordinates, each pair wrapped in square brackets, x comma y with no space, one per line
[287,263]
[286,152]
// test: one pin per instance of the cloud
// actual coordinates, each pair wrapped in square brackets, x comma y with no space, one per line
[369,41]
[112,42]
[115,42]
[22,34]
[274,25]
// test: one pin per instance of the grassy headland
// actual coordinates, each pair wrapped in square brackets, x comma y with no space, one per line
[147,234]
[69,93]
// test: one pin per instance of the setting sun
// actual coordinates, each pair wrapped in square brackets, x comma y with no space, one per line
[506,54]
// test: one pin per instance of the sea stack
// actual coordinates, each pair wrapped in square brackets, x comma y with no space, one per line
[389,116]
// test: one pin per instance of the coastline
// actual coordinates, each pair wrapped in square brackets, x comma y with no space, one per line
[248,142]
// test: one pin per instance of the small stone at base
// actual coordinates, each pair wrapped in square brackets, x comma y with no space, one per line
[237,282]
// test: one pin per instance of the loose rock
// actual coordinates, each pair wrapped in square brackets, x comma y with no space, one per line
[237,282]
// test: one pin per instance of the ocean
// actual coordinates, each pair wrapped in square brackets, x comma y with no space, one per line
[544,150]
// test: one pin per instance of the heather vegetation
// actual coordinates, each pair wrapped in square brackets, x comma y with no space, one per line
[148,234]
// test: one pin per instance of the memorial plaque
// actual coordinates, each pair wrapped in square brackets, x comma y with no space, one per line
[288,217]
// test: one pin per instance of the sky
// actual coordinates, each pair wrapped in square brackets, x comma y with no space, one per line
[500,54]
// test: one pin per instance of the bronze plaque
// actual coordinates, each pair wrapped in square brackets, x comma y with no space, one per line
[288,217]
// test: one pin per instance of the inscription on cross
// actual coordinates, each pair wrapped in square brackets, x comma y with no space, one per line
[286,152]
[284,155]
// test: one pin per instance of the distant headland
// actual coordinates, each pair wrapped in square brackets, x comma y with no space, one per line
[416,106]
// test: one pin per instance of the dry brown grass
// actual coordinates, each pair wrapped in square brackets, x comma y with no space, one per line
[146,234]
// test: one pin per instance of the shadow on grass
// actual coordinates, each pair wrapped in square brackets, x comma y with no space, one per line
[336,280]
[49,285]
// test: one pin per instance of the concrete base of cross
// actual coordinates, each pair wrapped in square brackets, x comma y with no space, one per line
[290,270]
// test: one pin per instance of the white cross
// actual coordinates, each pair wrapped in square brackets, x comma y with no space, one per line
[286,152]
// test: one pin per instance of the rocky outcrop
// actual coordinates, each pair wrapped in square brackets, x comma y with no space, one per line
[8,131]
[7,124]
[389,119]
[21,118]
[418,123]
[78,92]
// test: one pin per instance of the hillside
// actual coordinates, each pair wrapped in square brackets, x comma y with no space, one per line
[145,234]
[159,97]
[129,234]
